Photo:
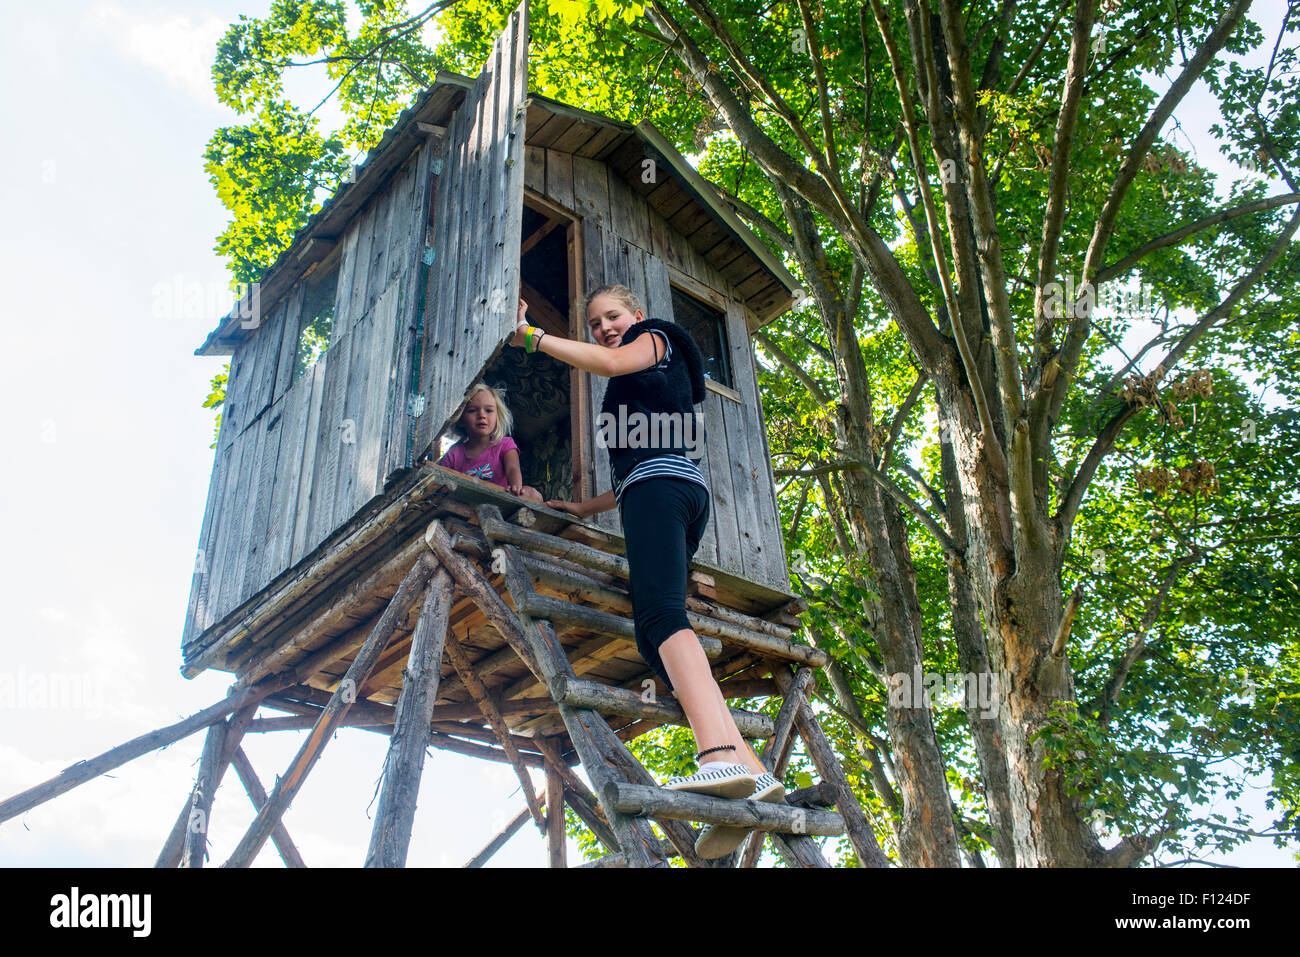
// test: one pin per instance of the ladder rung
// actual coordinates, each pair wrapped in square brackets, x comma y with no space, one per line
[641,801]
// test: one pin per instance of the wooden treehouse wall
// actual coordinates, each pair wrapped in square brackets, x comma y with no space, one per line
[473,286]
[626,240]
[297,459]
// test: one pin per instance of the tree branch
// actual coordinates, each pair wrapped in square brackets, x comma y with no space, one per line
[1105,441]
[1058,372]
[1178,235]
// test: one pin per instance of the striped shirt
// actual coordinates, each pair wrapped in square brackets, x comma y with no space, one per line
[660,466]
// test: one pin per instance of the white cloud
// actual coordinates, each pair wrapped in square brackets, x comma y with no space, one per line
[175,46]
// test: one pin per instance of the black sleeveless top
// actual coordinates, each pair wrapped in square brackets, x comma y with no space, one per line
[643,442]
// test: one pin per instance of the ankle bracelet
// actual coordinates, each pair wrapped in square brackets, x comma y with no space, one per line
[721,747]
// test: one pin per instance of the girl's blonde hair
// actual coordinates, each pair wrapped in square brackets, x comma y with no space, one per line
[617,291]
[504,419]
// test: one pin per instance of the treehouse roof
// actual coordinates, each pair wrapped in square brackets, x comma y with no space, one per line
[763,282]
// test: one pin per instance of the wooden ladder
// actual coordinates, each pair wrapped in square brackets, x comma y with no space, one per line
[627,793]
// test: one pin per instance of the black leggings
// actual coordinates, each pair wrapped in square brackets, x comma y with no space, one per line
[663,521]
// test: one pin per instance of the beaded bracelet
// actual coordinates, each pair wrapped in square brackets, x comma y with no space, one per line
[721,747]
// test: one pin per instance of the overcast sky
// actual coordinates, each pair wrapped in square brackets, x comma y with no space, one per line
[109,107]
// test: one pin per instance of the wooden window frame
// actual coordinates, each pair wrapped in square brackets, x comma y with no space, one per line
[710,297]
[579,388]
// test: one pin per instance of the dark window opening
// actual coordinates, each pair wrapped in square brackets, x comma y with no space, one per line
[708,327]
[316,319]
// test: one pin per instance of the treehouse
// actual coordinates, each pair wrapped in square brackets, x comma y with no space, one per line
[343,581]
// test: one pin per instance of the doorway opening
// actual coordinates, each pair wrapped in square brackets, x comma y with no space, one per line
[539,390]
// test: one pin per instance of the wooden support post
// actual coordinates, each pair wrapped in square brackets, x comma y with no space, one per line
[391,836]
[460,661]
[257,794]
[828,766]
[777,753]
[480,590]
[286,788]
[218,750]
[555,844]
[83,771]
[195,847]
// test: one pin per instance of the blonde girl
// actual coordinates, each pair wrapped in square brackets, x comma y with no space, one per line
[486,449]
[654,367]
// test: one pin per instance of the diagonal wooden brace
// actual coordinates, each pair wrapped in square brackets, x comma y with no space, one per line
[287,787]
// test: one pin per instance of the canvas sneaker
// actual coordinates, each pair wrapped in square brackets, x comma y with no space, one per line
[723,780]
[719,840]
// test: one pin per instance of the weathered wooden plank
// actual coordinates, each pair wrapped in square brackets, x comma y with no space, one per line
[347,269]
[633,255]
[459,320]
[408,325]
[401,234]
[454,191]
[329,437]
[658,289]
[291,335]
[361,272]
[204,610]
[353,420]
[445,278]
[372,433]
[559,178]
[249,472]
[460,323]
[232,407]
[380,253]
[288,477]
[201,579]
[218,602]
[771,569]
[268,340]
[591,190]
[311,440]
[593,250]
[603,143]
[262,534]
[722,547]
[750,523]
[227,538]
[628,211]
[535,168]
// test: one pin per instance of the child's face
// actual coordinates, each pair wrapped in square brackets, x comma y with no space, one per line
[608,319]
[480,416]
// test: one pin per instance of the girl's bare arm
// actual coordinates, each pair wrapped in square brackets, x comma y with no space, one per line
[592,506]
[514,475]
[639,354]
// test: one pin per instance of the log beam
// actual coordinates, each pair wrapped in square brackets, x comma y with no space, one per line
[390,838]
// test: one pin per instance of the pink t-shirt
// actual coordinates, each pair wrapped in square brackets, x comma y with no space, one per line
[488,466]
